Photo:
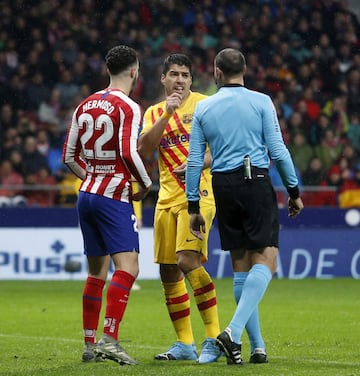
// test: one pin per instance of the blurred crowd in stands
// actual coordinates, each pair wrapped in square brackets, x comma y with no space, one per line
[304,53]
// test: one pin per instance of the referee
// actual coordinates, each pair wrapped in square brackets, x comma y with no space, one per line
[242,130]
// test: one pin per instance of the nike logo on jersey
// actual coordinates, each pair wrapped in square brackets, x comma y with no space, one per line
[189,240]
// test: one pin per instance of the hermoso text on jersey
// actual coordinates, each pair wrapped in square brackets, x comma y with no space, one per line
[103,104]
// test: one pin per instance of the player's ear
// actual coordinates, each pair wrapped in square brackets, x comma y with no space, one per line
[133,72]
[162,78]
[218,73]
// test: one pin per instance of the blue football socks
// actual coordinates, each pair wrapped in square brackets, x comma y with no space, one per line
[253,290]
[253,325]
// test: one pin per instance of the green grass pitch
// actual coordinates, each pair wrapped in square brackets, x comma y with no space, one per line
[311,327]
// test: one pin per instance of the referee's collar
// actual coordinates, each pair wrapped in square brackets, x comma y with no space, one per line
[232,85]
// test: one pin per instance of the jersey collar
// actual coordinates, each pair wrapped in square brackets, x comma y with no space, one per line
[232,85]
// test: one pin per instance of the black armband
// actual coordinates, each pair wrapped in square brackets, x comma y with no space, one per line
[294,192]
[193,207]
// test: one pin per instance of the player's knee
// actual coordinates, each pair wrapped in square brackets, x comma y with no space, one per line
[188,261]
[170,273]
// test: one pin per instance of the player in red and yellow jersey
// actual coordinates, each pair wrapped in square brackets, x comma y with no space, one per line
[167,127]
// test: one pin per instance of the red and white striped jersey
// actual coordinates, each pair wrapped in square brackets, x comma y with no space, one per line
[101,145]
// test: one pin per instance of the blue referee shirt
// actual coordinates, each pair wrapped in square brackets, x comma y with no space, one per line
[236,122]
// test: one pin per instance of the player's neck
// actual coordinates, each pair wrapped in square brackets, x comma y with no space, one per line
[122,85]
[234,81]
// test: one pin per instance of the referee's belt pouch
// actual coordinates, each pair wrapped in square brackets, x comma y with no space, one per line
[259,173]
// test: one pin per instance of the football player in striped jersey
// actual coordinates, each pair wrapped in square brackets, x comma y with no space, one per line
[101,149]
[166,128]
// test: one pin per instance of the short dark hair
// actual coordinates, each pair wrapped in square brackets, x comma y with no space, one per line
[119,58]
[230,61]
[178,59]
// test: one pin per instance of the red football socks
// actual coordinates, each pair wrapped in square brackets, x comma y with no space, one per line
[117,299]
[92,298]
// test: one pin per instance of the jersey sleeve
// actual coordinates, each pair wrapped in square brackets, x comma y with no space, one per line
[129,151]
[71,155]
[278,151]
[195,160]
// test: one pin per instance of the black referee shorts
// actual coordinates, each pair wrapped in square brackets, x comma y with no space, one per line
[247,210]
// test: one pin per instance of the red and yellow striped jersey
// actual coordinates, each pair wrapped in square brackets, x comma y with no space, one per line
[173,151]
[102,140]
